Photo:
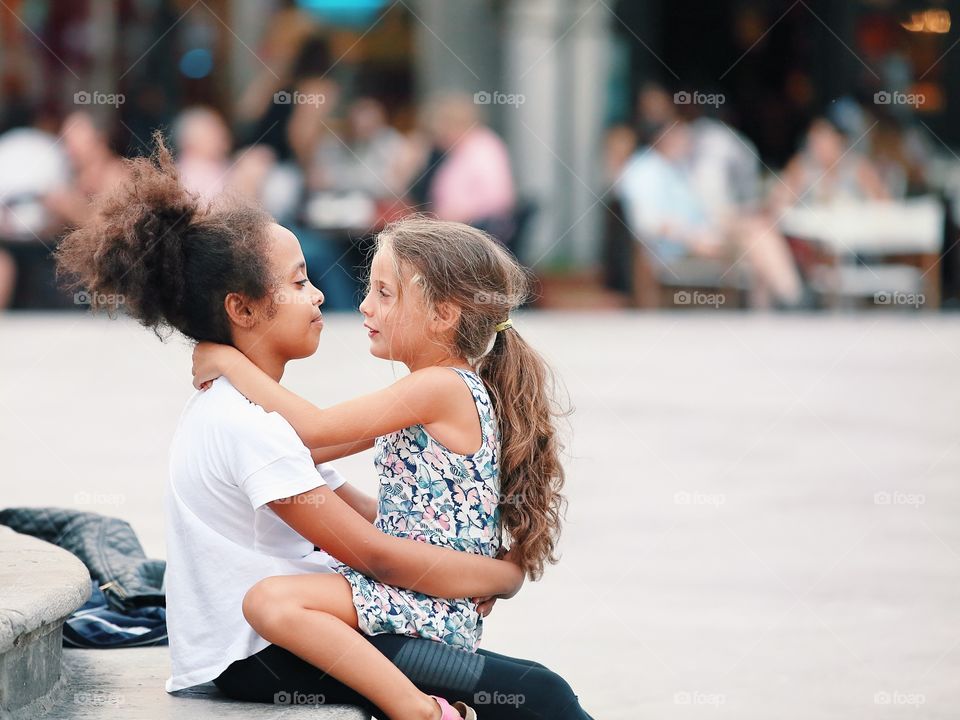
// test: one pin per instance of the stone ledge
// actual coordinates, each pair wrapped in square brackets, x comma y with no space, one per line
[127,684]
[40,586]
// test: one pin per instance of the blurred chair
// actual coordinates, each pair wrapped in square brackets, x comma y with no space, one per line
[629,267]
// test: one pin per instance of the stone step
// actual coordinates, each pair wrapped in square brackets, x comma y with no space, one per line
[40,586]
[127,684]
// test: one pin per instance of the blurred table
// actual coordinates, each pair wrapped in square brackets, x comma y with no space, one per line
[872,248]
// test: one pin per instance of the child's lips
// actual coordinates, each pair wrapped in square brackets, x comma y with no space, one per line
[370,331]
[318,320]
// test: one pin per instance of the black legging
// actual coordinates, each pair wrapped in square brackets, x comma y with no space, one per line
[497,686]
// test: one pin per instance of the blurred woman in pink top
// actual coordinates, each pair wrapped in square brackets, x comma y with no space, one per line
[473,183]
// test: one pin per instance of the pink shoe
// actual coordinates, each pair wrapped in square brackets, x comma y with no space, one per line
[457,711]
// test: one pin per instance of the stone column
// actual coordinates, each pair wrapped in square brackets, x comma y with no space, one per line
[456,45]
[556,57]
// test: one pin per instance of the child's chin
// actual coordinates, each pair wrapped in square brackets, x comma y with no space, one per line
[308,348]
[379,352]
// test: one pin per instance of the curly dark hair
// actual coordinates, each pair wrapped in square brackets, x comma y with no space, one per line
[153,249]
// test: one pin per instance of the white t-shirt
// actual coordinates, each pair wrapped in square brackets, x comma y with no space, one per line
[228,459]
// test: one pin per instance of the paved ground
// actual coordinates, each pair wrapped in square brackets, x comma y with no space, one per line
[764,510]
[128,685]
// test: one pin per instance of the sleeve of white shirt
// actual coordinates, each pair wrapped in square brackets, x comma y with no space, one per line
[331,476]
[270,461]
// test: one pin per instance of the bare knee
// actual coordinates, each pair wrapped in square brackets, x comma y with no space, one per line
[266,607]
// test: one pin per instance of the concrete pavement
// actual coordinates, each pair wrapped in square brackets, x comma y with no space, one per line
[763,518]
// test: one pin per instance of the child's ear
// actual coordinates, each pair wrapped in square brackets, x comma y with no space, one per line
[239,310]
[446,316]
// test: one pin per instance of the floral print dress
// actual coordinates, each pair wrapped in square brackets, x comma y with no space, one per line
[431,494]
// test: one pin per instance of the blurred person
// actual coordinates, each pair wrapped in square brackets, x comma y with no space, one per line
[619,144]
[468,178]
[655,109]
[203,143]
[313,102]
[724,170]
[290,41]
[94,166]
[33,166]
[826,170]
[368,157]
[8,278]
[901,156]
[665,212]
[303,85]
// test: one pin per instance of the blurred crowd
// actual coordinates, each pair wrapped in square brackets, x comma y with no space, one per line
[323,160]
[689,185]
[328,161]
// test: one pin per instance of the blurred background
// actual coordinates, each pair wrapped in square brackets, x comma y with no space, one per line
[742,218]
[759,154]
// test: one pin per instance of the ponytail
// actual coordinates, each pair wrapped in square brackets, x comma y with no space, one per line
[531,475]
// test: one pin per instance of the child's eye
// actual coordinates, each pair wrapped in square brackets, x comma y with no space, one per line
[383,293]
[301,283]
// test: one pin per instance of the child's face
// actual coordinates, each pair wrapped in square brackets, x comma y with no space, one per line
[397,327]
[294,324]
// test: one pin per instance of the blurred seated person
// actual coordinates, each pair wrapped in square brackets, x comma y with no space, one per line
[327,248]
[94,166]
[368,157]
[41,168]
[467,176]
[203,143]
[665,213]
[724,170]
[827,170]
[901,155]
[619,144]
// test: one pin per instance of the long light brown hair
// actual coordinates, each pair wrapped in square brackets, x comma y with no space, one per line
[458,264]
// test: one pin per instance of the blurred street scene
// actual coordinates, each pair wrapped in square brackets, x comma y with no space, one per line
[743,220]
[761,154]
